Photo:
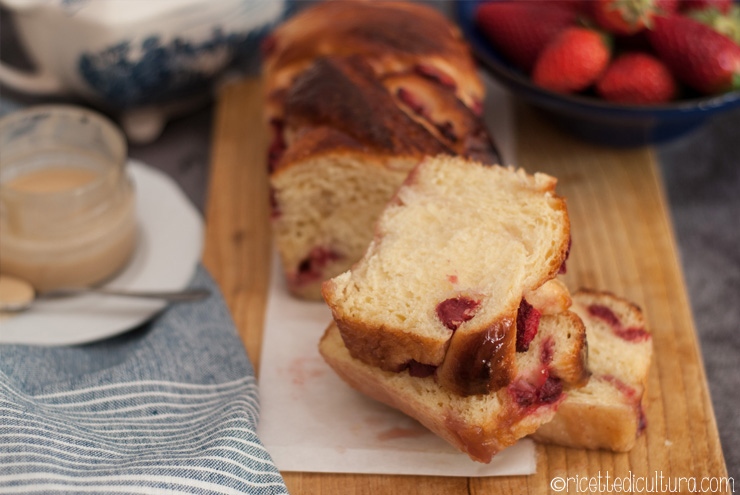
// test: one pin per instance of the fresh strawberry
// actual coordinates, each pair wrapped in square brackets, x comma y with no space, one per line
[625,17]
[698,55]
[522,29]
[572,61]
[637,78]
[727,23]
[721,5]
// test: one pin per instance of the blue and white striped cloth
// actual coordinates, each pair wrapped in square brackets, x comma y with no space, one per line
[170,408]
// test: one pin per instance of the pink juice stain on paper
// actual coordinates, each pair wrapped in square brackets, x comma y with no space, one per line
[398,432]
[387,432]
[303,369]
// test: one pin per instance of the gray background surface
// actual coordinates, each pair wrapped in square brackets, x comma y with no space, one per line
[701,172]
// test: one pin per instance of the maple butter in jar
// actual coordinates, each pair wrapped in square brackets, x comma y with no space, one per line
[67,207]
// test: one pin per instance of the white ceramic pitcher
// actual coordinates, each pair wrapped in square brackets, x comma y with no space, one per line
[141,59]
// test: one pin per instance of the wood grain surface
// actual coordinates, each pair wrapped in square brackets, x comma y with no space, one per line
[622,241]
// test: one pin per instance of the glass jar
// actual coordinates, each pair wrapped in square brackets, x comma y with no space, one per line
[67,209]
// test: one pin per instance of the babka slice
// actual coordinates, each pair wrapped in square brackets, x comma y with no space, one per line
[479,425]
[608,412]
[459,257]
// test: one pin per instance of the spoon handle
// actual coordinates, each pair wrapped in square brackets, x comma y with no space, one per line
[174,296]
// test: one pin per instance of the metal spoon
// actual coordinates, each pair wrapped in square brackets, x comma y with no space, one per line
[18,295]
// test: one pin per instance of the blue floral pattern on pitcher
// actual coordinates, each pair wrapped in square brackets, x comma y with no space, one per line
[162,71]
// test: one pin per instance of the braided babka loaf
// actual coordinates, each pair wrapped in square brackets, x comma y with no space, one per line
[357,94]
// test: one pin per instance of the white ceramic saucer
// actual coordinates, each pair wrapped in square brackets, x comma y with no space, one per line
[169,248]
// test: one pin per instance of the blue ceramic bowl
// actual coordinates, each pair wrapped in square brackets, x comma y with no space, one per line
[591,118]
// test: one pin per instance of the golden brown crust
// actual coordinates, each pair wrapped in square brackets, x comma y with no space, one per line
[390,351]
[315,142]
[565,241]
[570,360]
[363,27]
[343,94]
[391,36]
[443,115]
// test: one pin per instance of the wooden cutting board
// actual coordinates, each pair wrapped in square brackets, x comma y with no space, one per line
[623,241]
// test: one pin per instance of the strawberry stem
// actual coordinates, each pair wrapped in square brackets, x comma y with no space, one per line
[635,11]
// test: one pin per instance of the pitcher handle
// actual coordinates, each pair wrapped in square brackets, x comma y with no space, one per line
[29,82]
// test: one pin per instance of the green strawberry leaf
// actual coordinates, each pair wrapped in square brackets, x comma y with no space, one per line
[727,24]
[735,81]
